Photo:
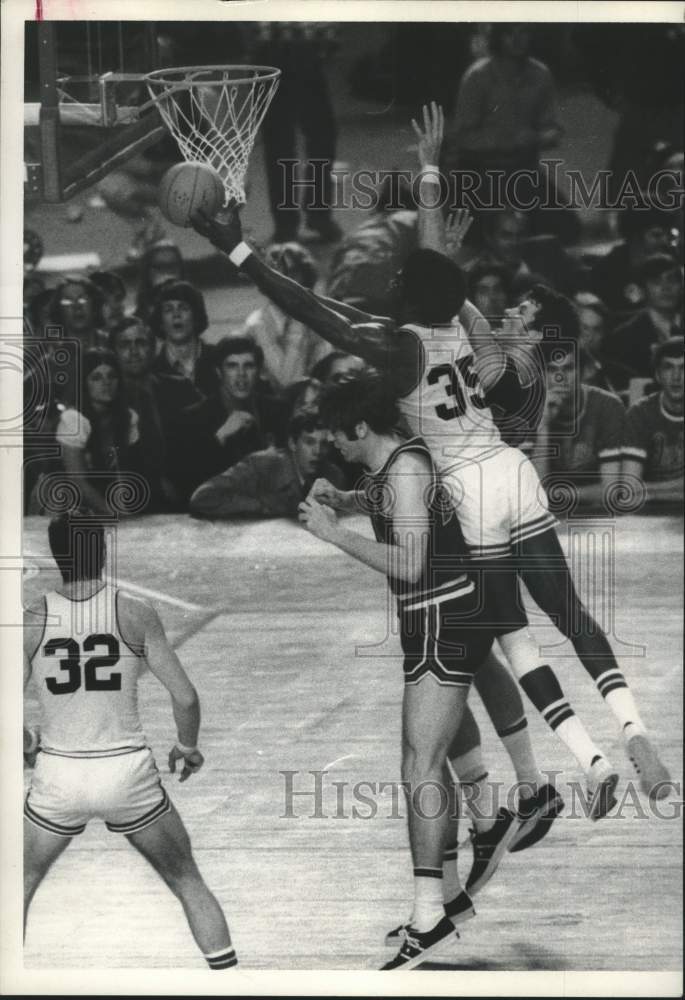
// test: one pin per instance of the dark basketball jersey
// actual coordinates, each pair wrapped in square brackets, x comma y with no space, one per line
[444,573]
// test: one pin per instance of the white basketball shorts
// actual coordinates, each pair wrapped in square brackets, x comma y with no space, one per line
[499,501]
[125,791]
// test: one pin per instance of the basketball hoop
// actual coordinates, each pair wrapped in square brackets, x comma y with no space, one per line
[214,113]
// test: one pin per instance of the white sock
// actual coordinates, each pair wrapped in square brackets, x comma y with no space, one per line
[520,750]
[428,904]
[614,689]
[576,737]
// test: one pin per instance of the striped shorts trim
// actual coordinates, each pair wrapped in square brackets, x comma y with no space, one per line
[135,826]
[91,754]
[46,824]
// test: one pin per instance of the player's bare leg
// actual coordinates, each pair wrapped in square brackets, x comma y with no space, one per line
[546,574]
[41,850]
[166,845]
[430,714]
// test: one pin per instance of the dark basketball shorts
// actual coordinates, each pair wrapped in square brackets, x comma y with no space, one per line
[443,636]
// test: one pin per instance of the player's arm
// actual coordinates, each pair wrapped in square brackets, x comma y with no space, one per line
[343,501]
[166,666]
[408,484]
[372,341]
[354,314]
[32,636]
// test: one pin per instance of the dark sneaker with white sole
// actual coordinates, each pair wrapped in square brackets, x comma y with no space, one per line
[458,910]
[489,848]
[536,814]
[418,946]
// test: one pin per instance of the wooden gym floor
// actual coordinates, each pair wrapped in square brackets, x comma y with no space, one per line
[284,638]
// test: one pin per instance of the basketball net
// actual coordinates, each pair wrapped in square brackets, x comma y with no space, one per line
[214,113]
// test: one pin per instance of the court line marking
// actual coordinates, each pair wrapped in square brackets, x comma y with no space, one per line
[135,588]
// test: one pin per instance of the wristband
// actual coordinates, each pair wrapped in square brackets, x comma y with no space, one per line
[35,740]
[430,173]
[239,254]
[186,751]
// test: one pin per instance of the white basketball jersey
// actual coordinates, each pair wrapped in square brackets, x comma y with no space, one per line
[447,407]
[86,677]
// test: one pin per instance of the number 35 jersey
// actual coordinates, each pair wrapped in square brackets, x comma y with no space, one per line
[447,407]
[494,489]
[86,677]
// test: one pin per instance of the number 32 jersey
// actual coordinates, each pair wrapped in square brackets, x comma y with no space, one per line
[86,677]
[447,407]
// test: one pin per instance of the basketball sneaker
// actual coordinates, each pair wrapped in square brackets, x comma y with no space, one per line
[655,781]
[601,785]
[418,945]
[458,910]
[489,848]
[536,814]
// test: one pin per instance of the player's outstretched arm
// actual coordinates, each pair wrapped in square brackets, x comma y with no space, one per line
[352,313]
[371,341]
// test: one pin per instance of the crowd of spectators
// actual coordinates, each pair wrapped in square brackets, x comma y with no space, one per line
[134,383]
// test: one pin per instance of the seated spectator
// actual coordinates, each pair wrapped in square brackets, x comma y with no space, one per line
[490,288]
[98,439]
[239,417]
[113,293]
[653,440]
[632,344]
[290,349]
[178,318]
[161,262]
[133,345]
[77,309]
[594,317]
[616,277]
[271,483]
[581,432]
[338,367]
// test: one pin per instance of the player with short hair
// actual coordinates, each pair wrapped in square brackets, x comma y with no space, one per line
[439,376]
[84,646]
[446,630]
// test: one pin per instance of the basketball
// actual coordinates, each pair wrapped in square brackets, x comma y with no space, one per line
[185,188]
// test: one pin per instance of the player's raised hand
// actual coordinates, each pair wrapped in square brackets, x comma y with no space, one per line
[325,492]
[431,136]
[456,228]
[319,519]
[224,231]
[192,762]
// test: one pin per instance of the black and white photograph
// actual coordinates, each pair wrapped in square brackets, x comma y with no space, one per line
[342,511]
